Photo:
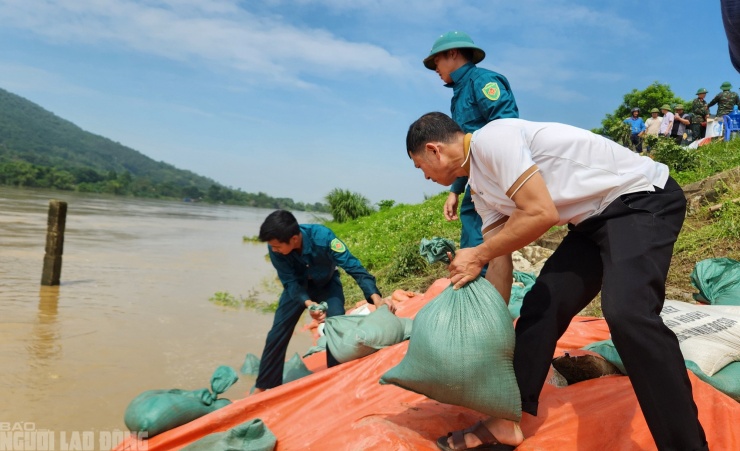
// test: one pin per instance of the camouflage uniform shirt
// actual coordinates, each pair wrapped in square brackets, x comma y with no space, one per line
[725,100]
[699,111]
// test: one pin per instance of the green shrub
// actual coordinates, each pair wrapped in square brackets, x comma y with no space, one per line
[406,263]
[386,204]
[677,158]
[345,205]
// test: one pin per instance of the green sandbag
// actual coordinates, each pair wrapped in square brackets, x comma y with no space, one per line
[251,365]
[436,249]
[726,380]
[252,435]
[461,352]
[350,337]
[718,281]
[295,369]
[408,326]
[320,346]
[157,411]
[517,292]
[292,370]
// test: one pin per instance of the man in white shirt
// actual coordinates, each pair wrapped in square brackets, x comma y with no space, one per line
[666,125]
[623,213]
[652,123]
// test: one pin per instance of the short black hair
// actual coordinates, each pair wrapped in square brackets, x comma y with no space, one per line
[431,127]
[466,53]
[279,225]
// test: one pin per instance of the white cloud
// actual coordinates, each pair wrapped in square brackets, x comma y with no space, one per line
[216,32]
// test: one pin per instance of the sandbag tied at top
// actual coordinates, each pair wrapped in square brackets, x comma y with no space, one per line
[461,352]
[436,249]
[157,411]
[350,337]
[718,281]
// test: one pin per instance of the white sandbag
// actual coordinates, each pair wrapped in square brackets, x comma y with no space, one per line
[708,335]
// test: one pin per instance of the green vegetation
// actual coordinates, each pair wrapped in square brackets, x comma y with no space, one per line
[387,241]
[345,205]
[710,160]
[252,301]
[654,96]
[665,150]
[39,149]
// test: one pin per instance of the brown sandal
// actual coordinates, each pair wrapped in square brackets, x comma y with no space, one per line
[488,441]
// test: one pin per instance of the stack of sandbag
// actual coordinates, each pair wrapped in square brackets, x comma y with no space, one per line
[461,352]
[157,411]
[709,337]
[350,337]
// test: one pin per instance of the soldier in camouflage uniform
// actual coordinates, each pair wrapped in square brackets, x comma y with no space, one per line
[699,113]
[725,100]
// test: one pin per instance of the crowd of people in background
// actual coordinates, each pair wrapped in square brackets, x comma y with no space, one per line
[683,126]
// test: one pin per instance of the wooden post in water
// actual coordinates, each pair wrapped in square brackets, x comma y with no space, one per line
[54,243]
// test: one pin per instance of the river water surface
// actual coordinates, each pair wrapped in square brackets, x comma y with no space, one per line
[132,311]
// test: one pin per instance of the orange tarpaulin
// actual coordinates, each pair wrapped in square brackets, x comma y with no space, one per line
[345,408]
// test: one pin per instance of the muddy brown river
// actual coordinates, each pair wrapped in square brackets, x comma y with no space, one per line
[132,312]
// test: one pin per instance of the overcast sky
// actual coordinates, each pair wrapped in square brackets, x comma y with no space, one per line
[297,97]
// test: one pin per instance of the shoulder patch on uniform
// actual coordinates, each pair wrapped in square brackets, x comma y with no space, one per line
[492,91]
[337,246]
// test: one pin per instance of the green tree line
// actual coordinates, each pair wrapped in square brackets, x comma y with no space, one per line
[40,149]
[86,180]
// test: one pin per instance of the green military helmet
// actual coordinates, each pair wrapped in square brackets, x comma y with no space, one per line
[726,86]
[701,91]
[679,107]
[453,40]
[654,110]
[666,107]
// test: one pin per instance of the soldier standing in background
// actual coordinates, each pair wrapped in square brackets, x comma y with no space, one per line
[478,96]
[699,113]
[725,100]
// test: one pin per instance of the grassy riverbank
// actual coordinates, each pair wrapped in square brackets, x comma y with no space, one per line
[387,242]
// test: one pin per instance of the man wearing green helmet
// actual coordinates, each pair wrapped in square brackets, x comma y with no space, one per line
[680,121]
[725,100]
[652,124]
[666,125]
[478,97]
[699,113]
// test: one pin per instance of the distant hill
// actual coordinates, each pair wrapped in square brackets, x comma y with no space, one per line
[40,149]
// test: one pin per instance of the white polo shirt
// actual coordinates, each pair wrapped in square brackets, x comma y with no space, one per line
[584,172]
[667,123]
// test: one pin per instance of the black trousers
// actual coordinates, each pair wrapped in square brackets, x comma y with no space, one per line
[625,253]
[288,313]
